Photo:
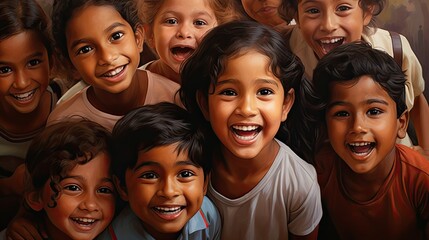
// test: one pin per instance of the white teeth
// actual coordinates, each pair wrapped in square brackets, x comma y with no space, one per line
[245,128]
[114,72]
[85,220]
[24,96]
[333,40]
[359,144]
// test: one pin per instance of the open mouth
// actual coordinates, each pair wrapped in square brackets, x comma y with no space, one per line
[84,221]
[361,149]
[168,210]
[114,72]
[24,96]
[246,132]
[329,44]
[182,52]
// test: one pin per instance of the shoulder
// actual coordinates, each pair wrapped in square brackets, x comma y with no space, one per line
[69,106]
[293,163]
[413,160]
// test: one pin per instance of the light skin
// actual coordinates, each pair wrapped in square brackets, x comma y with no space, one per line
[363,127]
[264,11]
[164,189]
[85,205]
[326,24]
[176,32]
[106,55]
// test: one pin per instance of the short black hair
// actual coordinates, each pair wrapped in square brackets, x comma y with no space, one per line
[152,126]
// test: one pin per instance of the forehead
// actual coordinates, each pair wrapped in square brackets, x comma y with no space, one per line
[190,7]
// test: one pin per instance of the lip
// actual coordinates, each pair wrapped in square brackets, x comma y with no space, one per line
[267,10]
[245,134]
[25,97]
[115,74]
[179,55]
[83,224]
[361,150]
[328,43]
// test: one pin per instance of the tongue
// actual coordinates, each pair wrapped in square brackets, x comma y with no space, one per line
[245,133]
[361,149]
[183,53]
[329,46]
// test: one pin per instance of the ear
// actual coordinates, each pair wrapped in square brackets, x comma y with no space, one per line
[34,200]
[403,124]
[121,188]
[139,35]
[149,35]
[288,103]
[367,15]
[203,104]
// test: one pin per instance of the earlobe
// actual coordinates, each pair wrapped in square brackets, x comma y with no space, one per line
[122,189]
[34,201]
[203,105]
[403,124]
[288,103]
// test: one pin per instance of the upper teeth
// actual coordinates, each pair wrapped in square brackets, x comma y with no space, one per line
[333,40]
[245,128]
[165,209]
[87,220]
[359,144]
[24,95]
[115,71]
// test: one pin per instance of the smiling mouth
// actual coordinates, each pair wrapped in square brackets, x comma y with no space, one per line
[168,210]
[361,149]
[182,52]
[84,221]
[24,96]
[114,72]
[246,132]
[329,44]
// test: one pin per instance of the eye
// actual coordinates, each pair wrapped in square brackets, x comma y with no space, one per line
[228,92]
[171,21]
[374,111]
[313,11]
[265,91]
[4,70]
[34,62]
[84,49]
[341,114]
[105,190]
[149,175]
[186,174]
[117,35]
[72,187]
[200,22]
[343,8]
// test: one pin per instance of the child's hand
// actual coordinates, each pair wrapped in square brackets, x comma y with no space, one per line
[23,228]
[423,152]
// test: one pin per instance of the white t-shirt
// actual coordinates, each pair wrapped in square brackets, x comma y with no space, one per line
[287,199]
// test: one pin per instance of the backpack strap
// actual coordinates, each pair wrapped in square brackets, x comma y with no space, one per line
[397,47]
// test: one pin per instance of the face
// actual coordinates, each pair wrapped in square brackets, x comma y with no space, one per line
[362,124]
[326,24]
[263,11]
[178,29]
[248,106]
[165,189]
[24,72]
[106,54]
[86,203]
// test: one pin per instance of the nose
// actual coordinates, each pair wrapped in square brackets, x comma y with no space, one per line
[107,55]
[358,125]
[21,80]
[184,31]
[247,106]
[169,189]
[329,22]
[89,202]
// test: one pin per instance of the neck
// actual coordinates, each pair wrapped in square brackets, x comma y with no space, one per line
[159,67]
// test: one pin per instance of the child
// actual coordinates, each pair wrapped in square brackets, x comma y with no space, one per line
[239,82]
[26,98]
[372,188]
[69,181]
[326,24]
[106,55]
[161,169]
[265,12]
[174,29]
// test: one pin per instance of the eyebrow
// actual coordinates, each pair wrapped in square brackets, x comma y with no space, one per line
[259,80]
[36,54]
[107,30]
[367,102]
[78,177]
[154,163]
